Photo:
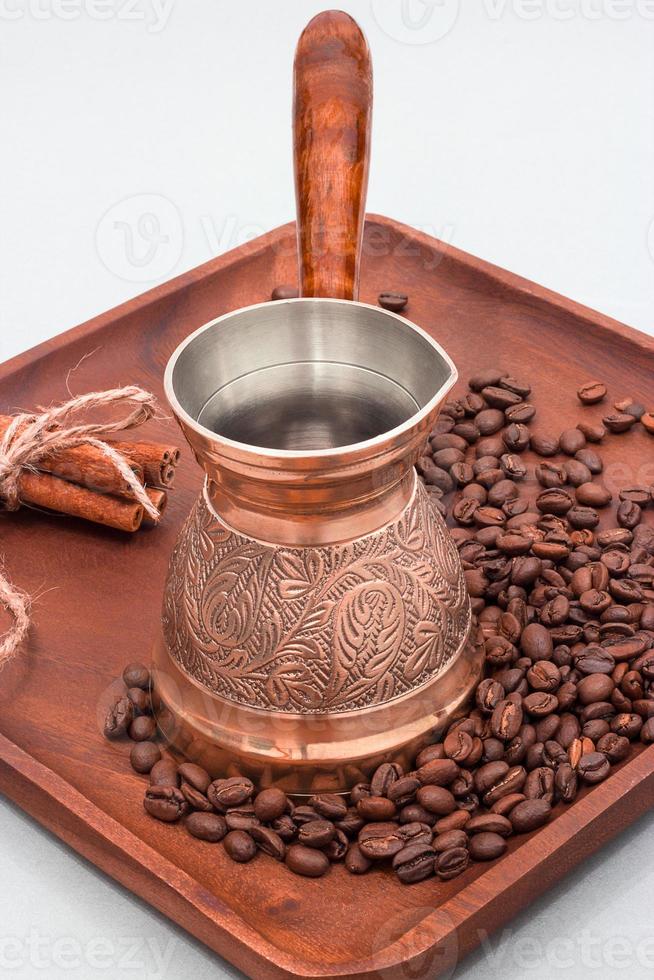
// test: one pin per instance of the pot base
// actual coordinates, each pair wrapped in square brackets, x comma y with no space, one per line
[306,754]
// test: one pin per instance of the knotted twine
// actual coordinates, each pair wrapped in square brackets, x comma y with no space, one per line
[31,437]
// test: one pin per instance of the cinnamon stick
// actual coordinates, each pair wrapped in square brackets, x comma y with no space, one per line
[46,490]
[86,466]
[160,500]
[157,461]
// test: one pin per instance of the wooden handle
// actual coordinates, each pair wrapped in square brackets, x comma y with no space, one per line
[332,115]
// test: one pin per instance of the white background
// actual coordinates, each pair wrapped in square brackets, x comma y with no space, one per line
[142,138]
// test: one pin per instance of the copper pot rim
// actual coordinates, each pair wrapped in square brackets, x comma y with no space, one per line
[353,452]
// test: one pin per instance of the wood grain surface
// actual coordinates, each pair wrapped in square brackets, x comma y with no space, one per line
[332,120]
[100,593]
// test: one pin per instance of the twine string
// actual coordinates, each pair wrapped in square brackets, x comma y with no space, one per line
[29,438]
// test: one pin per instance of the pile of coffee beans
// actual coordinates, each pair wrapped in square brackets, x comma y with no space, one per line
[566,613]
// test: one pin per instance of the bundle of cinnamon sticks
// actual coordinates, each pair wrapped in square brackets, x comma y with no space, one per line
[83,482]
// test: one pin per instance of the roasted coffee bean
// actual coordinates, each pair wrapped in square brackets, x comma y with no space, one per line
[355,861]
[540,704]
[647,732]
[334,807]
[500,397]
[241,817]
[437,800]
[488,694]
[143,728]
[284,291]
[164,773]
[451,863]
[438,772]
[544,676]
[511,782]
[240,846]
[414,813]
[486,378]
[376,808]
[614,747]
[140,700]
[593,431]
[136,675]
[415,862]
[629,514]
[571,441]
[627,724]
[488,775]
[536,642]
[195,798]
[517,385]
[513,466]
[119,717]
[529,815]
[165,803]
[318,833]
[550,475]
[458,745]
[594,687]
[403,790]
[416,833]
[286,829]
[591,392]
[269,842]
[565,782]
[506,719]
[490,421]
[379,841]
[593,495]
[445,458]
[270,804]
[487,846]
[393,301]
[430,753]
[492,823]
[554,501]
[590,459]
[618,422]
[523,412]
[337,847]
[647,421]
[143,756]
[593,767]
[516,437]
[544,445]
[539,784]
[225,793]
[306,861]
[209,827]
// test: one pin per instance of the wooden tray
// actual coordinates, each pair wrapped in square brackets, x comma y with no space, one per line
[101,594]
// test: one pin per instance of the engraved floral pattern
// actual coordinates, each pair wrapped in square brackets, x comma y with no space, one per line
[315,629]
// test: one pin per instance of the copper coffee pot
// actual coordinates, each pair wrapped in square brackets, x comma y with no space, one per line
[315,618]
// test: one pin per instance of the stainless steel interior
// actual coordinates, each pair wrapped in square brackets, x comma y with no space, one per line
[307,374]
